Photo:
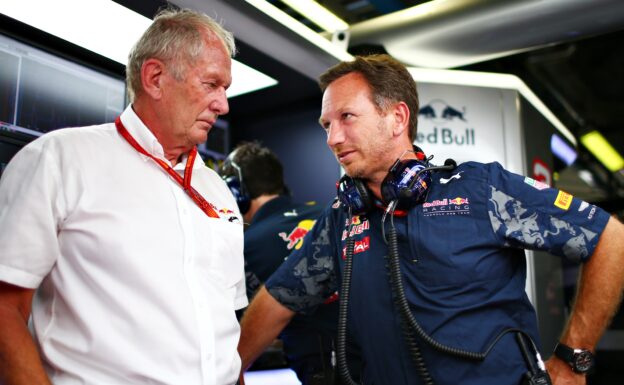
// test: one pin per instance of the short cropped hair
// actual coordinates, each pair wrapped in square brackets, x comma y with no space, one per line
[389,82]
[175,37]
[262,172]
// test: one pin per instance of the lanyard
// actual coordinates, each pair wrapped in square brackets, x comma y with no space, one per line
[185,182]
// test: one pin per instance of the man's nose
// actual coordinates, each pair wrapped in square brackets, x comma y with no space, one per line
[335,135]
[220,104]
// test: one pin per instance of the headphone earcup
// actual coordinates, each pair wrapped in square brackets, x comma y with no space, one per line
[238,190]
[399,184]
[353,194]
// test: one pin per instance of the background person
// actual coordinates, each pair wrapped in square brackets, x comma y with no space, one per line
[276,227]
[460,235]
[129,249]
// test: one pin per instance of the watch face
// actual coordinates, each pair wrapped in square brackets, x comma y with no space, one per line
[583,361]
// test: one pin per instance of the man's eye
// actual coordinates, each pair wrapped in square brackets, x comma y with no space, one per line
[346,115]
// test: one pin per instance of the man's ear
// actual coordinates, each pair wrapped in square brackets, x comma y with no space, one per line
[152,73]
[401,116]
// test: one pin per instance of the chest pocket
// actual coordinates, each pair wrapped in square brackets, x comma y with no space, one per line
[222,250]
[454,241]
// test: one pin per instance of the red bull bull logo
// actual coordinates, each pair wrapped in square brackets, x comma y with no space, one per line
[295,237]
[354,221]
[226,211]
[459,201]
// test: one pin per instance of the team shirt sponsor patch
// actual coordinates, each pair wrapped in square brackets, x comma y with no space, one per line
[358,227]
[534,183]
[564,200]
[447,206]
[358,247]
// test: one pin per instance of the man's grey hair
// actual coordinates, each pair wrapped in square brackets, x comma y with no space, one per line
[176,37]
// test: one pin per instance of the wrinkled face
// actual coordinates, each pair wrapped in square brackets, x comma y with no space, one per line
[191,105]
[357,132]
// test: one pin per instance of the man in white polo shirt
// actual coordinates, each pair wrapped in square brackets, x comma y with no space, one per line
[124,249]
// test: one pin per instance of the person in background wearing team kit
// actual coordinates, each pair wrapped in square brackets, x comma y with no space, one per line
[123,246]
[276,227]
[429,260]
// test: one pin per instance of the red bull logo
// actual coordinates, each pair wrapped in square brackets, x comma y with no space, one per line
[226,211]
[354,221]
[295,237]
[459,201]
[356,229]
[447,206]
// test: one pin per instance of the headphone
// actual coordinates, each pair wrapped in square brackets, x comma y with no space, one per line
[236,185]
[406,184]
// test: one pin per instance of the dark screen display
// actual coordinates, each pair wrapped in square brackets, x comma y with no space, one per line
[8,85]
[41,92]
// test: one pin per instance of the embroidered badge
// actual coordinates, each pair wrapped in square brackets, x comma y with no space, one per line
[583,206]
[358,247]
[358,228]
[534,183]
[564,200]
[447,206]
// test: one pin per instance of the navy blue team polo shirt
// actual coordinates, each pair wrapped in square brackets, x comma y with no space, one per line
[463,266]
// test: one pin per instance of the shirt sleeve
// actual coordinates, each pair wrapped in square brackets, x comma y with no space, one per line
[526,213]
[308,277]
[31,208]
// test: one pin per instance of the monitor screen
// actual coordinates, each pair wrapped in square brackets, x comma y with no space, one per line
[40,92]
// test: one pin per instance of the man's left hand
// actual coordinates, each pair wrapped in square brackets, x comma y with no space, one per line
[562,374]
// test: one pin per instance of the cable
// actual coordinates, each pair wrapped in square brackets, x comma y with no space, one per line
[341,332]
[404,308]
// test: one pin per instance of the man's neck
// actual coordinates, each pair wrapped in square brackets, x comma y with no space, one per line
[255,205]
[146,113]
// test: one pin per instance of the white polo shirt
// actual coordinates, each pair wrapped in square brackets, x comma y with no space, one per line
[137,285]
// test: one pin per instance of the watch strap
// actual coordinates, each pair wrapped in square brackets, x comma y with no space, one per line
[565,353]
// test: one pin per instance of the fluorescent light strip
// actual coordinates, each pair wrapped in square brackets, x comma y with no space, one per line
[108,29]
[300,29]
[603,151]
[562,150]
[318,14]
[492,80]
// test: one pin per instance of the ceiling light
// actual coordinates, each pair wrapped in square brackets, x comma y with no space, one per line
[83,22]
[318,14]
[587,177]
[603,151]
[300,29]
[562,150]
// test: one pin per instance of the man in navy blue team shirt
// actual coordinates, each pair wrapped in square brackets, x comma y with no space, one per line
[276,227]
[458,237]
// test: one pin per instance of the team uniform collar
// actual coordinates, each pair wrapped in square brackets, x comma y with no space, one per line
[271,207]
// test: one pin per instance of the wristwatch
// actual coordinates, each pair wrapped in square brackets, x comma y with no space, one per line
[580,360]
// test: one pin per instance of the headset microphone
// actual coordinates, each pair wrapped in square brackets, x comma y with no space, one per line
[408,192]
